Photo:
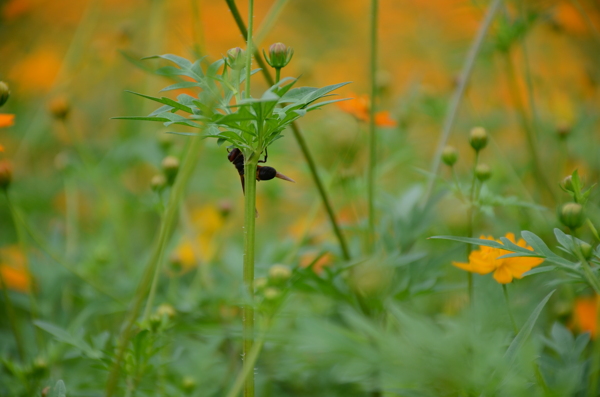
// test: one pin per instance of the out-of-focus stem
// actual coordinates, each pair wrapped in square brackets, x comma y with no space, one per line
[458,95]
[249,50]
[372,130]
[529,133]
[188,164]
[12,318]
[470,221]
[268,22]
[299,139]
[508,308]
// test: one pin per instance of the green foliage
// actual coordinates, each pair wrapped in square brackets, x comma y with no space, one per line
[249,124]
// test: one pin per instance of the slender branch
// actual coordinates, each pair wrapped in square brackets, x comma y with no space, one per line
[189,163]
[458,95]
[249,47]
[299,139]
[470,221]
[12,318]
[268,22]
[372,131]
[251,161]
[508,308]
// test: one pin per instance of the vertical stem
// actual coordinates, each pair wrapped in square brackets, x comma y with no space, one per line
[372,132]
[277,75]
[458,94]
[251,161]
[529,133]
[12,318]
[470,221]
[249,46]
[595,367]
[299,139]
[507,300]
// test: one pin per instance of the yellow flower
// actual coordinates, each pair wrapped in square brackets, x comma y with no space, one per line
[13,269]
[584,314]
[7,120]
[485,260]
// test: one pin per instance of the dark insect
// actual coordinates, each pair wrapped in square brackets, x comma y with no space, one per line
[263,173]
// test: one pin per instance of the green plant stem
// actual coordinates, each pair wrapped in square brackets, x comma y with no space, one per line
[470,221]
[269,21]
[21,234]
[510,314]
[250,163]
[372,131]
[299,139]
[188,164]
[540,178]
[249,47]
[595,366]
[12,318]
[241,378]
[458,95]
[277,75]
[457,184]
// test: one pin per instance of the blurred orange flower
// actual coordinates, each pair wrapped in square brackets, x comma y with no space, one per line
[359,108]
[485,260]
[200,246]
[13,269]
[6,120]
[585,314]
[325,260]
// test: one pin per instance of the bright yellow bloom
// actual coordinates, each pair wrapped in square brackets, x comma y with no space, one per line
[485,260]
[584,314]
[13,269]
[7,120]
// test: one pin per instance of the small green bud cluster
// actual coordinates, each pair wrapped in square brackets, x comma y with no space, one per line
[271,287]
[5,174]
[170,168]
[449,156]
[483,172]
[279,55]
[4,93]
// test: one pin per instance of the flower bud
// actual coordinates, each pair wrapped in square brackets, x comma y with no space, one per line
[4,93]
[279,273]
[59,107]
[5,174]
[571,215]
[567,183]
[188,384]
[449,156]
[165,141]
[166,310]
[236,58]
[158,182]
[478,138]
[279,55]
[483,172]
[563,131]
[271,293]
[260,283]
[225,208]
[170,166]
[586,250]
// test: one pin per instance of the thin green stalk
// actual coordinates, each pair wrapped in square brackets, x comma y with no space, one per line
[197,28]
[189,162]
[277,75]
[458,95]
[529,133]
[594,376]
[242,377]
[372,131]
[21,234]
[299,139]
[470,221]
[251,161]
[12,318]
[510,314]
[269,21]
[249,47]
[457,183]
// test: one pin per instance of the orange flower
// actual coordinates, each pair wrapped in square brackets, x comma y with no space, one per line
[359,108]
[6,120]
[485,260]
[13,269]
[585,314]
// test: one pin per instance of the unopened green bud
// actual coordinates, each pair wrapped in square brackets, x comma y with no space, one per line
[188,384]
[260,283]
[236,58]
[166,310]
[279,55]
[155,322]
[279,273]
[563,131]
[586,250]
[158,182]
[567,183]
[571,215]
[271,293]
[4,93]
[165,141]
[478,138]
[170,166]
[449,156]
[483,172]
